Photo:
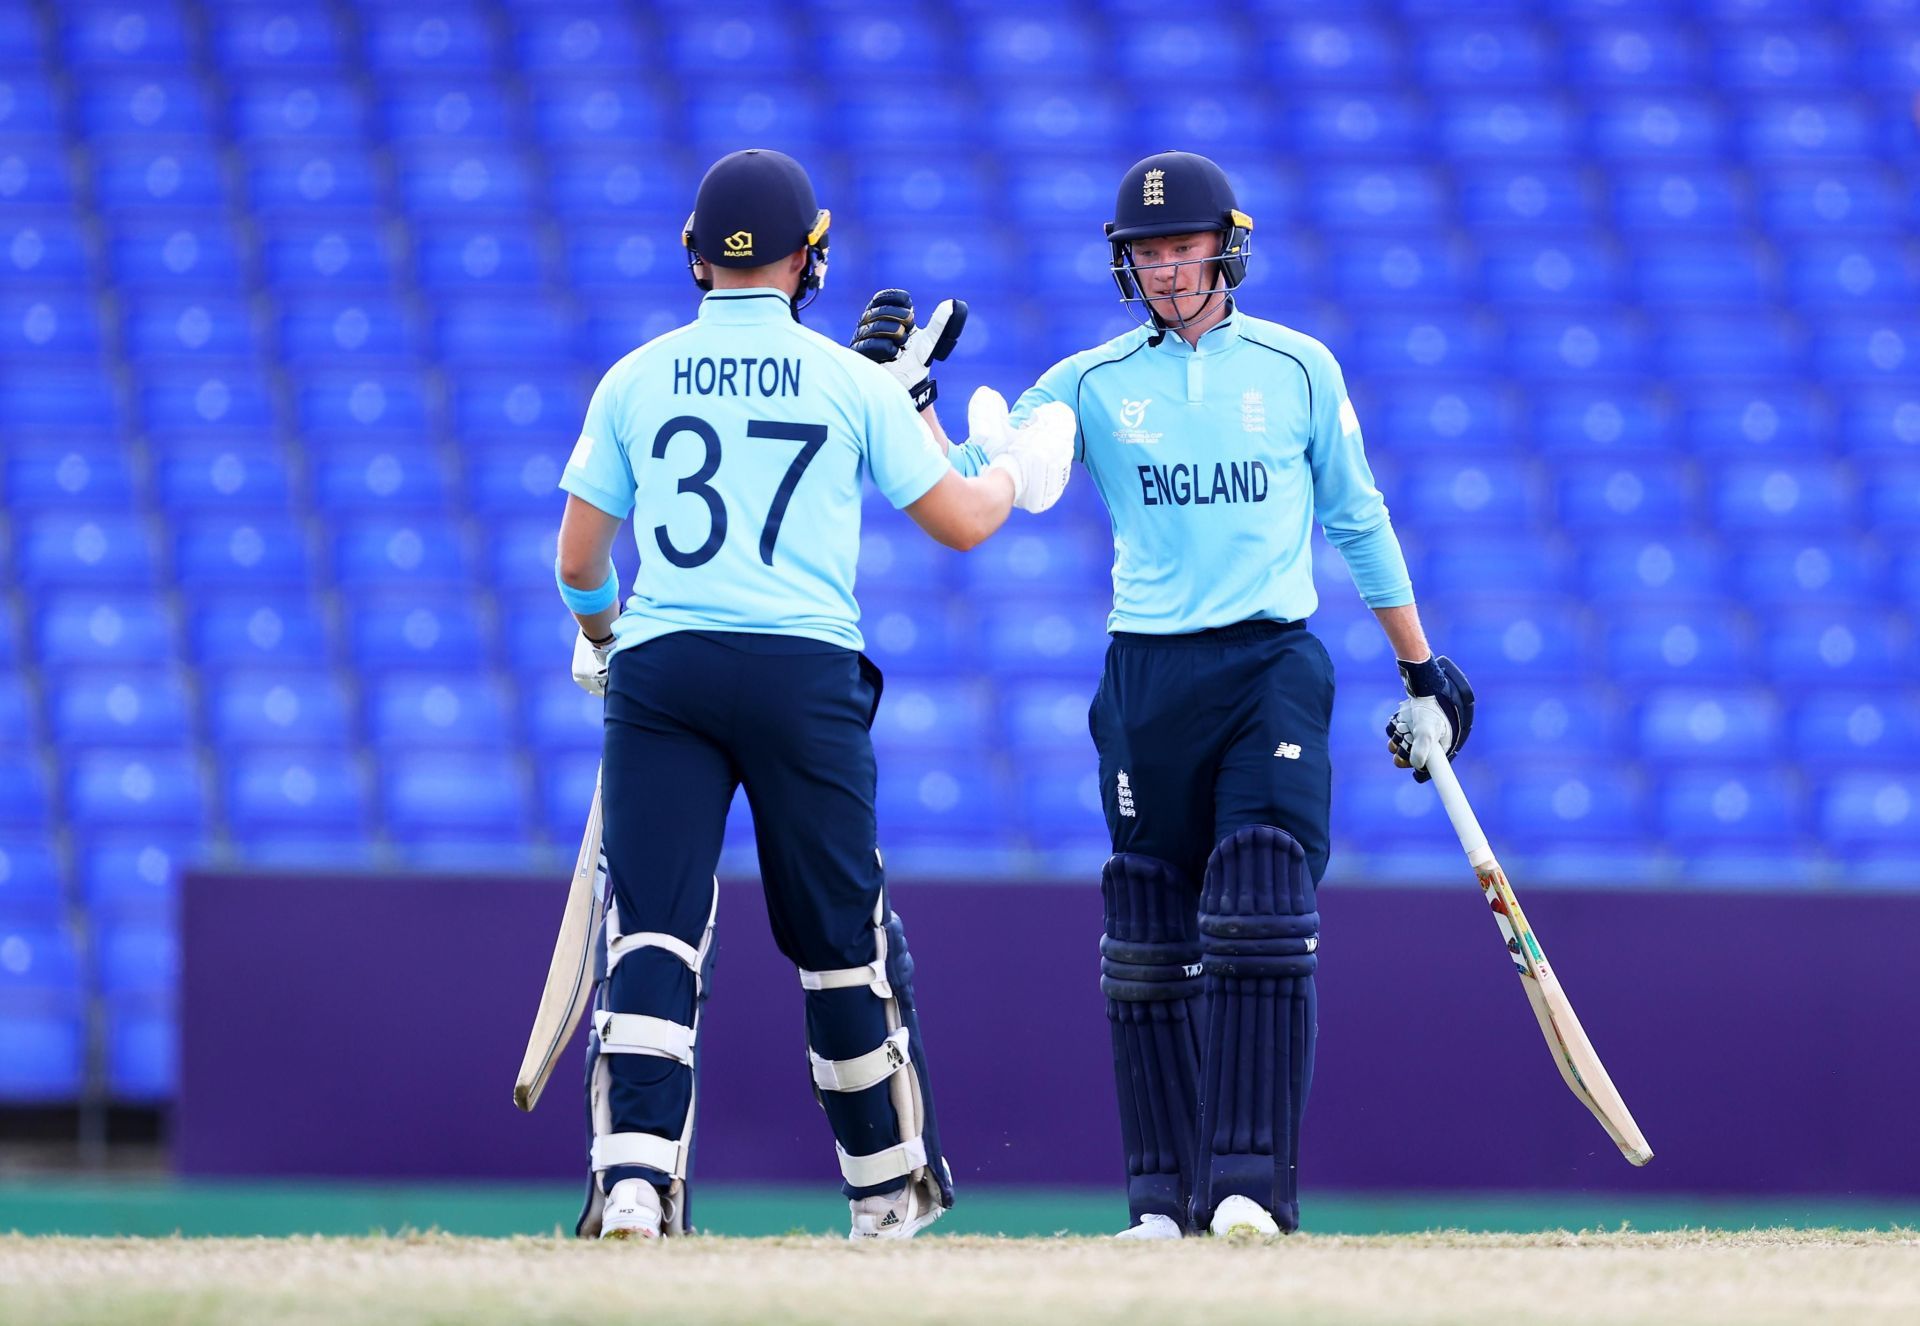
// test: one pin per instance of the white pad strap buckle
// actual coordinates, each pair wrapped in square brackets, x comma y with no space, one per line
[635,1033]
[896,1162]
[613,1150]
[873,975]
[622,945]
[863,1071]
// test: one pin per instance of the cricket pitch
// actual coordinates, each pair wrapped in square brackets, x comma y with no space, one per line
[1672,1278]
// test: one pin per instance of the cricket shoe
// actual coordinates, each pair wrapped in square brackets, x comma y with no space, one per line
[1153,1228]
[1242,1217]
[898,1215]
[632,1211]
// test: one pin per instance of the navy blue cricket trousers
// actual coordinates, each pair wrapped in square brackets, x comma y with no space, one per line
[690,717]
[1204,733]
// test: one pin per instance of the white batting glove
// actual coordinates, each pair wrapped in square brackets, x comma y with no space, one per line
[1421,728]
[1038,456]
[590,664]
[987,423]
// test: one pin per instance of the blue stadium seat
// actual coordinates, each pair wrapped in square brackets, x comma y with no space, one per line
[30,892]
[536,628]
[1728,344]
[455,793]
[938,799]
[35,174]
[1478,58]
[625,260]
[317,792]
[1893,503]
[294,37]
[510,479]
[1870,809]
[1698,646]
[282,112]
[1638,52]
[407,42]
[192,475]
[784,116]
[89,628]
[25,801]
[1334,53]
[1525,719]
[256,551]
[1702,270]
[1046,714]
[326,260]
[1857,274]
[1548,802]
[355,403]
[43,247]
[469,183]
[138,959]
[535,408]
[1392,267]
[49,321]
[1749,805]
[1653,568]
[1754,421]
[1774,59]
[556,714]
[923,713]
[39,963]
[604,182]
[21,49]
[1423,413]
[1877,350]
[37,475]
[1439,339]
[108,36]
[1378,125]
[520,553]
[1660,128]
[18,723]
[336,331]
[754,42]
[206,401]
[439,711]
[1556,199]
[527,332]
[610,113]
[1048,117]
[308,182]
[1056,634]
[288,707]
[1036,48]
[1842,729]
[1515,638]
[1524,126]
[1183,48]
[182,328]
[1402,197]
[1601,420]
[1507,564]
[920,633]
[447,113]
[459,261]
[1066,562]
[1557,268]
[896,558]
[1682,724]
[248,629]
[101,550]
[1781,498]
[584,39]
[373,552]
[1836,646]
[1465,487]
[1829,199]
[192,255]
[136,789]
[1597,342]
[1806,129]
[1059,799]
[1613,498]
[136,180]
[374,477]
[1836,569]
[142,1047]
[43,1052]
[100,707]
[154,106]
[565,788]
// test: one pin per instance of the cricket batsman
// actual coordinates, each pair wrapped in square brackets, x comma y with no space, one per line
[1216,439]
[738,444]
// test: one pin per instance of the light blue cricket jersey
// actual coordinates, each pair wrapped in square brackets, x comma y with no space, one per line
[737,443]
[1213,462]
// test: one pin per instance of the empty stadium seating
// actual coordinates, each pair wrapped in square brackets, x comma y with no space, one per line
[303,300]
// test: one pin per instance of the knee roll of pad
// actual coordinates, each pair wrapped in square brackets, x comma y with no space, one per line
[613,1033]
[1150,973]
[899,1060]
[1259,936]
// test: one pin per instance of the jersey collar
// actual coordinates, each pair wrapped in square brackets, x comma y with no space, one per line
[1215,339]
[747,305]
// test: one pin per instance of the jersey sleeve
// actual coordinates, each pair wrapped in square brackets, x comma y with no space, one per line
[598,471]
[1346,501]
[902,456]
[1059,383]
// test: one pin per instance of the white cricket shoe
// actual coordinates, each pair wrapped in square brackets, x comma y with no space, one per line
[632,1211]
[898,1215]
[1153,1228]
[1242,1216]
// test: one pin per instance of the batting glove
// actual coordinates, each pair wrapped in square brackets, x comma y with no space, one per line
[590,664]
[1038,455]
[1437,714]
[887,336]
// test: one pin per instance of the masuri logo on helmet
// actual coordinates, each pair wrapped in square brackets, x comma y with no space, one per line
[757,193]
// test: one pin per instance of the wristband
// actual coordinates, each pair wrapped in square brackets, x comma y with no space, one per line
[586,602]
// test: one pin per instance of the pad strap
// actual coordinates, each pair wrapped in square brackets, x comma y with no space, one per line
[613,1150]
[625,944]
[635,1033]
[896,1162]
[866,1070]
[873,975]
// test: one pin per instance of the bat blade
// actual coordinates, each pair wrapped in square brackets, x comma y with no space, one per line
[570,972]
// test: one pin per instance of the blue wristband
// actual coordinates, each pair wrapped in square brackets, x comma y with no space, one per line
[586,602]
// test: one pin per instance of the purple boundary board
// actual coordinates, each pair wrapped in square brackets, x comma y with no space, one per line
[366,1027]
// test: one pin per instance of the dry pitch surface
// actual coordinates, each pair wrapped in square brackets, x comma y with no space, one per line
[1671,1278]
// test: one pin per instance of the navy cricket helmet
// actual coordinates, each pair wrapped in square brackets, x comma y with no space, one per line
[753,208]
[1177,193]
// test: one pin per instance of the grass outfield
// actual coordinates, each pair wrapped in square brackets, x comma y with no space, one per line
[1673,1278]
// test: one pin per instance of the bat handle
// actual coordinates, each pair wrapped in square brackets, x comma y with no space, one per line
[1473,839]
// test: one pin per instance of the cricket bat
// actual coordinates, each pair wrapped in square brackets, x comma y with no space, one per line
[570,973]
[1579,1065]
